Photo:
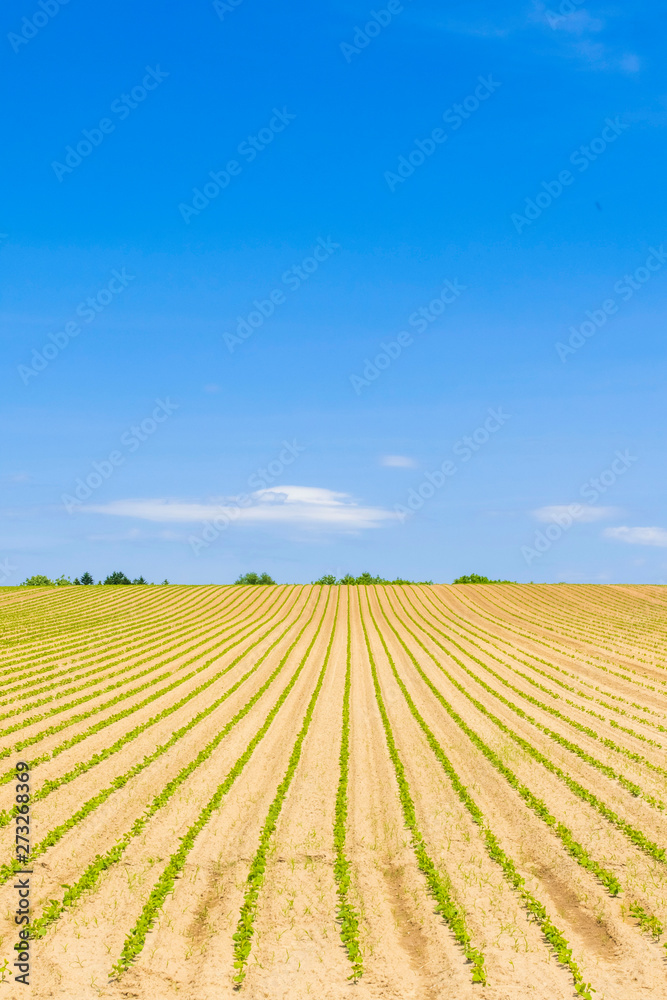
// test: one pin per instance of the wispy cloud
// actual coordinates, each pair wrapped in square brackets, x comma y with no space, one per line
[398,462]
[136,534]
[17,478]
[482,28]
[305,506]
[585,513]
[594,53]
[577,33]
[638,536]
[579,22]
[630,63]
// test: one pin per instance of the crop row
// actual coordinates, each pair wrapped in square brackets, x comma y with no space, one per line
[182,649]
[35,611]
[500,622]
[32,719]
[564,650]
[255,879]
[492,641]
[437,882]
[108,655]
[53,669]
[29,741]
[554,937]
[83,766]
[588,624]
[136,938]
[104,624]
[347,914]
[569,687]
[632,833]
[579,853]
[574,748]
[194,625]
[607,878]
[102,863]
[118,665]
[541,623]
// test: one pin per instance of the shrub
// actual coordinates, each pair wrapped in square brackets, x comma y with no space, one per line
[117,578]
[365,580]
[475,578]
[37,581]
[253,578]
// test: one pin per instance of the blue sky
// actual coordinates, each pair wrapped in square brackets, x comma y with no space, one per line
[218,217]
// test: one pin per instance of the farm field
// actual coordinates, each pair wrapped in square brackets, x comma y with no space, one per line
[379,793]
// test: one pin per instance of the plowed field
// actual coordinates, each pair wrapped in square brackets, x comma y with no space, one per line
[374,793]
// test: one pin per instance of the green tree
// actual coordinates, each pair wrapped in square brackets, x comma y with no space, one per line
[367,579]
[328,580]
[86,579]
[476,578]
[117,578]
[253,578]
[37,581]
[140,579]
[63,581]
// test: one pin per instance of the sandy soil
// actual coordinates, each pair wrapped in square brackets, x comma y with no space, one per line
[596,654]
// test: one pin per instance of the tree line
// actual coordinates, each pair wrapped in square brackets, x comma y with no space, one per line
[365,579]
[248,579]
[85,580]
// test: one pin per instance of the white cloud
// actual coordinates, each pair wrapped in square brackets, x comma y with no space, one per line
[306,506]
[585,515]
[18,477]
[577,23]
[638,536]
[594,53]
[398,462]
